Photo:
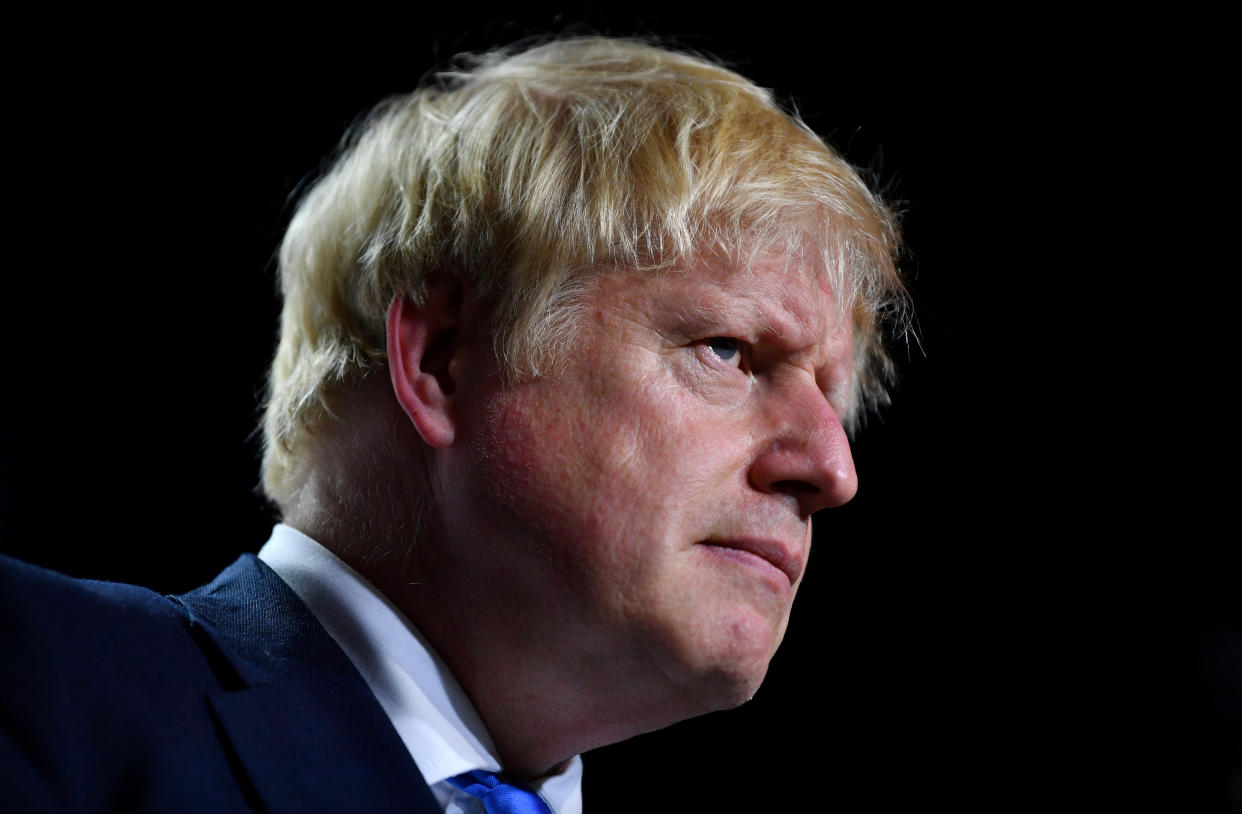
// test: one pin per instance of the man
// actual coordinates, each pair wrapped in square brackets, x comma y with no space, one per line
[570,342]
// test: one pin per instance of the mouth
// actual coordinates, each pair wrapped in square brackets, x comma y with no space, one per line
[774,555]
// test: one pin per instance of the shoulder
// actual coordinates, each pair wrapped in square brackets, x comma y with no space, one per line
[53,622]
[97,680]
[229,698]
[32,595]
[88,635]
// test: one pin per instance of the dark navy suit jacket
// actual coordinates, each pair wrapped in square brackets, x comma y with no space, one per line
[229,698]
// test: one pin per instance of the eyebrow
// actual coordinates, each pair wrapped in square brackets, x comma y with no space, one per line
[701,313]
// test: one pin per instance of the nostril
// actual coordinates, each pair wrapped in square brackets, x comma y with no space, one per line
[795,487]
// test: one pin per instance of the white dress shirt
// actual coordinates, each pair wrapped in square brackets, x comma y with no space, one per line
[430,712]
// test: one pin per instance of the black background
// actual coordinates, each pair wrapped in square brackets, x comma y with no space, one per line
[1006,616]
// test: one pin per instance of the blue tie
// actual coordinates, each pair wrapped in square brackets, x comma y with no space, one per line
[498,796]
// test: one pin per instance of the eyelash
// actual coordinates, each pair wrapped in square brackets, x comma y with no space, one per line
[716,345]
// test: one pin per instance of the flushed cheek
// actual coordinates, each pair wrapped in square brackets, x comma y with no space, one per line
[519,466]
[550,458]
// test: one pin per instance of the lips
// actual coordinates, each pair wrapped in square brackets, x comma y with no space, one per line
[788,559]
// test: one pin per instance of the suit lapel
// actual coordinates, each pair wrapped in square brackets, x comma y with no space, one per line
[306,729]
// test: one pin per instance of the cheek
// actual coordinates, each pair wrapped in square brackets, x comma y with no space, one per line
[545,459]
[613,456]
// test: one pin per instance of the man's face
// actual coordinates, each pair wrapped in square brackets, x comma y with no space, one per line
[649,504]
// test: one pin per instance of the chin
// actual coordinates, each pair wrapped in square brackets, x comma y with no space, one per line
[729,687]
[740,666]
[738,692]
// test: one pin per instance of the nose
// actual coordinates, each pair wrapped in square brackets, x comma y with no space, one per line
[807,457]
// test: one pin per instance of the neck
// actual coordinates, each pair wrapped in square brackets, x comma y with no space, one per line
[542,698]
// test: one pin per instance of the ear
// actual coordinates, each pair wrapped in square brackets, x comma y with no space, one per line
[424,342]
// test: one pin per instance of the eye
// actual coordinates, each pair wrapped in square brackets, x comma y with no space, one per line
[726,349]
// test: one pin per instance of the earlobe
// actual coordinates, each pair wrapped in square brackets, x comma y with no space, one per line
[422,340]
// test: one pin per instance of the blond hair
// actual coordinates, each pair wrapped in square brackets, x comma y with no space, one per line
[523,173]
